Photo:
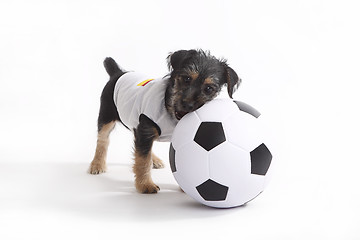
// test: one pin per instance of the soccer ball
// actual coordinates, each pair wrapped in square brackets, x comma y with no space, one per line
[219,154]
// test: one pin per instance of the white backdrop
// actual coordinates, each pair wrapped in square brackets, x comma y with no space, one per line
[299,63]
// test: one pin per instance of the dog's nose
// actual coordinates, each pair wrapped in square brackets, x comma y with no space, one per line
[188,106]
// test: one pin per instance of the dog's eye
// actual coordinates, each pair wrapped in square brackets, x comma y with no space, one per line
[187,79]
[208,90]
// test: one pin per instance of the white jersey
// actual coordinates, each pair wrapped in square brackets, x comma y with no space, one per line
[137,94]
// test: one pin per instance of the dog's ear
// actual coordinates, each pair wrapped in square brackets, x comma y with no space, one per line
[232,79]
[176,59]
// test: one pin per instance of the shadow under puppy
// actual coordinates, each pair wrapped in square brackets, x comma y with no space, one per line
[151,108]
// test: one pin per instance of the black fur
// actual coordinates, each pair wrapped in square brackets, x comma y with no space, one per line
[208,75]
[108,111]
[206,65]
[111,67]
[232,79]
[145,134]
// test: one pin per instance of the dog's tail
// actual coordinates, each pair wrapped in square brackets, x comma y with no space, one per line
[111,67]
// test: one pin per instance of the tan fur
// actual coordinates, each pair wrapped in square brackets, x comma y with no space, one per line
[208,81]
[194,75]
[98,165]
[157,163]
[142,169]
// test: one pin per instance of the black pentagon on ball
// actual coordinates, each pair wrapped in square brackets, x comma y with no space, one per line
[260,160]
[210,135]
[212,191]
[172,158]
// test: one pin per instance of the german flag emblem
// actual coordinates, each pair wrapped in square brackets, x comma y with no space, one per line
[143,83]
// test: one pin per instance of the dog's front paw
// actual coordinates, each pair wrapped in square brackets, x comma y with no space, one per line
[148,188]
[97,168]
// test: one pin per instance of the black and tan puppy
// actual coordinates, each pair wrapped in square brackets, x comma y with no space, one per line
[151,107]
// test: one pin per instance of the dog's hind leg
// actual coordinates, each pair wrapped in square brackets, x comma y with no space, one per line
[108,116]
[98,165]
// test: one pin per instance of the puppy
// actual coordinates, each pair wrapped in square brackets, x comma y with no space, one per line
[152,107]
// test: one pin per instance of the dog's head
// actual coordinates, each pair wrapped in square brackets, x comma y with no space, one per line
[196,77]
